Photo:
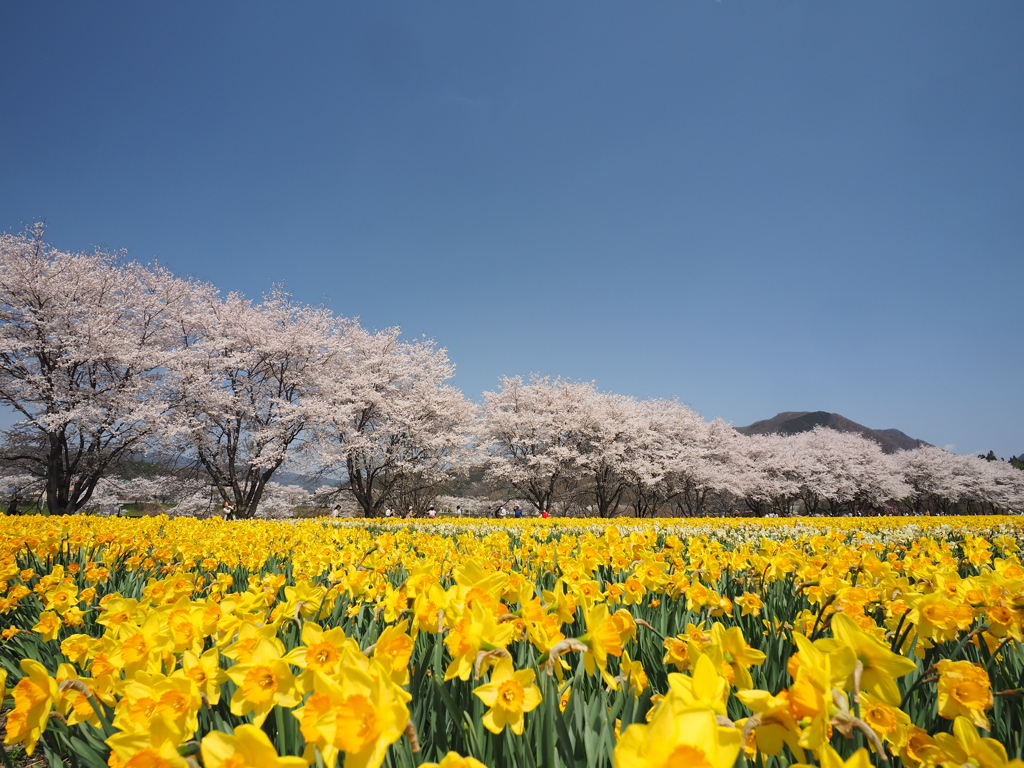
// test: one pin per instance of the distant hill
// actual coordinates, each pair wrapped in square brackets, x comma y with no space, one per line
[792,422]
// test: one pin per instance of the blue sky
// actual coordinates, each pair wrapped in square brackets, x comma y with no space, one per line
[753,207]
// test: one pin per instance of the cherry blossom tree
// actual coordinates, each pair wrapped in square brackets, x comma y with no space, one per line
[390,422]
[844,470]
[650,465]
[607,427]
[769,474]
[17,483]
[998,486]
[248,382]
[942,482]
[280,501]
[937,478]
[530,435]
[84,339]
[705,466]
[176,494]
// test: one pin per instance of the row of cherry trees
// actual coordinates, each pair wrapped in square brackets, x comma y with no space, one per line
[561,442]
[103,360]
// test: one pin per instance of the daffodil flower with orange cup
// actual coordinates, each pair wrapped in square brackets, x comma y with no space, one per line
[147,696]
[263,681]
[455,760]
[33,695]
[829,758]
[358,711]
[246,747]
[155,746]
[737,655]
[321,651]
[876,668]
[476,631]
[509,694]
[602,639]
[48,625]
[964,691]
[774,723]
[965,746]
[705,688]
[678,735]
[205,671]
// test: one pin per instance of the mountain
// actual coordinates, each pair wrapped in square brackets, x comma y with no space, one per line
[792,422]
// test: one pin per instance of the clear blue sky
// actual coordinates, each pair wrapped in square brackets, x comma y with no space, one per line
[753,207]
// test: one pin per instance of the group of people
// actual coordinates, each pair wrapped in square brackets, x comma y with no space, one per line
[228,511]
[410,513]
[498,512]
[517,512]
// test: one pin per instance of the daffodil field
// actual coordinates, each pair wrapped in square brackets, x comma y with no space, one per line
[707,643]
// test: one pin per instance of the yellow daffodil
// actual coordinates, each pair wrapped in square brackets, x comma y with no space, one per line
[143,647]
[678,736]
[393,650]
[633,674]
[880,667]
[966,747]
[890,723]
[360,712]
[205,672]
[33,700]
[73,694]
[321,652]
[246,747]
[455,760]
[544,631]
[48,625]
[176,698]
[829,758]
[78,648]
[61,599]
[509,694]
[775,722]
[737,654]
[562,600]
[393,602]
[116,610]
[302,601]
[964,690]
[602,640]
[706,687]
[152,747]
[677,653]
[750,604]
[477,630]
[428,607]
[265,680]
[935,617]
[185,626]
